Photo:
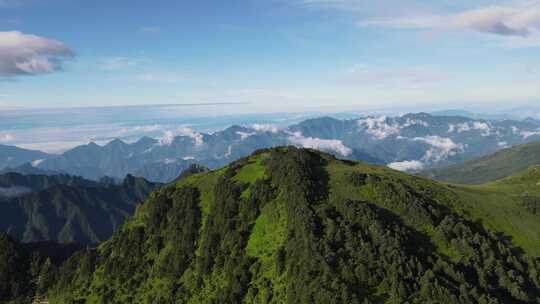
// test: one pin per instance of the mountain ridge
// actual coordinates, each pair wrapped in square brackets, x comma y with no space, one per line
[289,225]
[490,168]
[414,142]
[67,209]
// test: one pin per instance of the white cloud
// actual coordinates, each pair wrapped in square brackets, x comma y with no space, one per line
[5,138]
[482,126]
[485,128]
[36,162]
[24,54]
[519,19]
[503,144]
[229,151]
[409,165]
[497,20]
[527,134]
[169,136]
[320,144]
[459,128]
[265,128]
[515,130]
[380,127]
[52,147]
[383,127]
[244,135]
[413,122]
[441,148]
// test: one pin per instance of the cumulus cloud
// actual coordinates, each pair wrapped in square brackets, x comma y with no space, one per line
[409,165]
[441,148]
[499,20]
[528,134]
[519,19]
[503,144]
[320,144]
[244,135]
[415,122]
[379,127]
[169,136]
[37,162]
[484,127]
[265,128]
[383,127]
[25,54]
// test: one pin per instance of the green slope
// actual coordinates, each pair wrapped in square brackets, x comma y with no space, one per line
[490,168]
[510,206]
[289,225]
[69,209]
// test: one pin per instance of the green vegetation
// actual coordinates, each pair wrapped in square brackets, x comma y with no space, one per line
[490,168]
[291,225]
[69,209]
[28,270]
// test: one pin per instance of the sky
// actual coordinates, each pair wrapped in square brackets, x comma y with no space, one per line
[270,55]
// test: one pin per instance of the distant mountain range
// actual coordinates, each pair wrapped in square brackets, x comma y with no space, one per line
[411,142]
[13,156]
[490,168]
[67,209]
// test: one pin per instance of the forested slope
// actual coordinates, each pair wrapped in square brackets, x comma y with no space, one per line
[289,225]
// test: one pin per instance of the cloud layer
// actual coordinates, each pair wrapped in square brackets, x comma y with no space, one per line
[24,54]
[518,19]
[441,148]
[333,145]
[169,136]
[409,165]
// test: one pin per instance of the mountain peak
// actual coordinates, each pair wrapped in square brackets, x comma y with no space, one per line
[116,143]
[300,225]
[145,140]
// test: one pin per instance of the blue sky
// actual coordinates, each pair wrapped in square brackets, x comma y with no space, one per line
[272,54]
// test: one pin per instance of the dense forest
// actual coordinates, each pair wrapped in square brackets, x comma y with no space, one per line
[66,208]
[290,225]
